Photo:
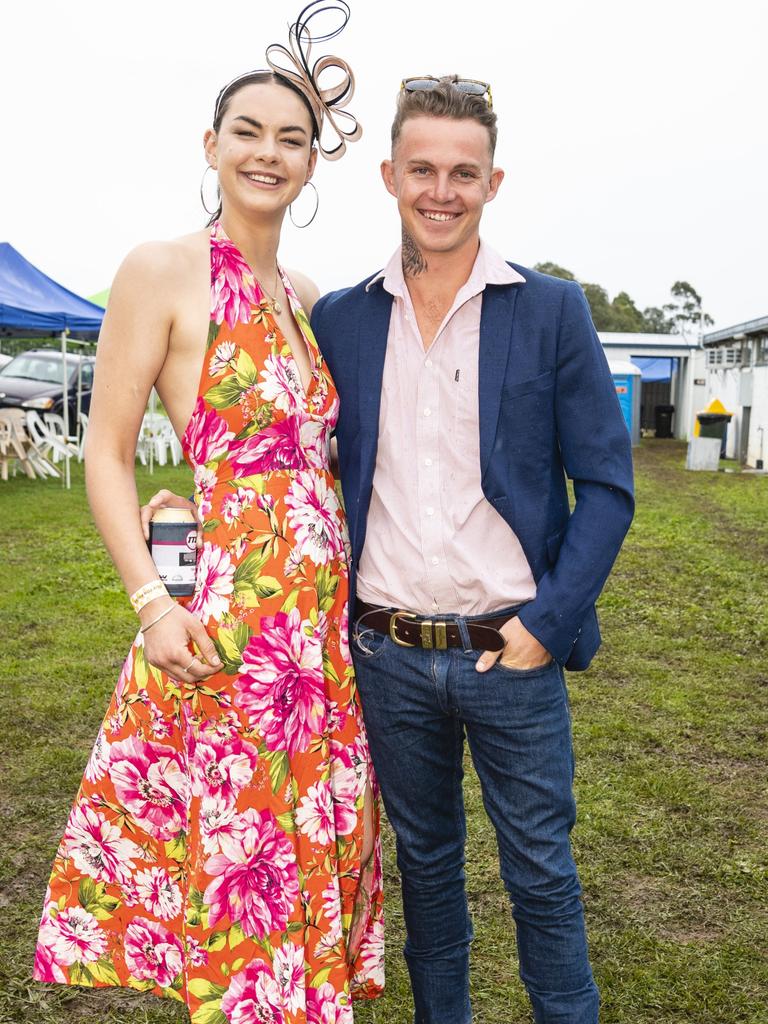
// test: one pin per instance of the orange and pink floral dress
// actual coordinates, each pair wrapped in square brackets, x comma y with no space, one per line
[213,854]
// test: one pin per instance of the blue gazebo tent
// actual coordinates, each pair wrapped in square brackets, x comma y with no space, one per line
[654,367]
[32,305]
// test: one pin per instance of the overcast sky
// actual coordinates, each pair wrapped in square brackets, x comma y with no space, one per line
[633,135]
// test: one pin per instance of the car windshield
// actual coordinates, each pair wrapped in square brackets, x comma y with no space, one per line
[45,367]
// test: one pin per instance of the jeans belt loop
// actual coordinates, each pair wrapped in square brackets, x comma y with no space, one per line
[461,622]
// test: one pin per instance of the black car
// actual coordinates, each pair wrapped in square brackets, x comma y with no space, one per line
[33,380]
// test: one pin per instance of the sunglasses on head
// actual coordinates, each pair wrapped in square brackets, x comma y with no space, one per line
[424,83]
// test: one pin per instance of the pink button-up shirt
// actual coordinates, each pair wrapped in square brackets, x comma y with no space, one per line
[433,543]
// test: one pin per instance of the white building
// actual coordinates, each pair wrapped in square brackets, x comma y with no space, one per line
[737,374]
[686,390]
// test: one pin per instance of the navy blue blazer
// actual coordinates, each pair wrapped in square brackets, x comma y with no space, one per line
[548,409]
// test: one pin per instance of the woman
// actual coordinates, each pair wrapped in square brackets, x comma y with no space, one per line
[223,848]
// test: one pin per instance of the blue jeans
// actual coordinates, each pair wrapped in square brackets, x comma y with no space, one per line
[418,705]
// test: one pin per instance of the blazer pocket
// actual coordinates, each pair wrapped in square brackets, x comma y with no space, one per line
[524,387]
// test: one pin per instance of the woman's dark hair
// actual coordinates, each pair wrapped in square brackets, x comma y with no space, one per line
[254,78]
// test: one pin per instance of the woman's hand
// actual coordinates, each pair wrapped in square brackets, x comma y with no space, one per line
[167,499]
[178,644]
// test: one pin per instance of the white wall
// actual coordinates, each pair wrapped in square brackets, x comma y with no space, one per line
[692,396]
[723,384]
[686,398]
[759,417]
[726,384]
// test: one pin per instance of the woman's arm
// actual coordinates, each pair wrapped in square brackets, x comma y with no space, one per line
[132,348]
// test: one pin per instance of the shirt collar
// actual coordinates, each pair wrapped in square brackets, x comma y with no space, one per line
[489,268]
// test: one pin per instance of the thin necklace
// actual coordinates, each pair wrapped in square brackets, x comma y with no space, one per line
[273,300]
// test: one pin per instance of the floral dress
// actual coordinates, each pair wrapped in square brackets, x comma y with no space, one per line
[213,854]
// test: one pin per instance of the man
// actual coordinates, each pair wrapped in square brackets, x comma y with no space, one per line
[470,388]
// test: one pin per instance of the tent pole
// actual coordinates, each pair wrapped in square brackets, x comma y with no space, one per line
[79,400]
[65,478]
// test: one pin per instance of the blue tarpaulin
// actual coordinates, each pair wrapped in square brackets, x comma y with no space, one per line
[34,306]
[654,368]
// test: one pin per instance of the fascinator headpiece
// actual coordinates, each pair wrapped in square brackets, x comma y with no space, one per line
[335,126]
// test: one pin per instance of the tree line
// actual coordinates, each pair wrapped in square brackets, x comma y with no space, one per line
[683,313]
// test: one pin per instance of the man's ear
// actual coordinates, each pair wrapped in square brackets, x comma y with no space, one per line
[388,176]
[497,176]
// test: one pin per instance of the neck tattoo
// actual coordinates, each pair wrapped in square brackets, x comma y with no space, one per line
[413,258]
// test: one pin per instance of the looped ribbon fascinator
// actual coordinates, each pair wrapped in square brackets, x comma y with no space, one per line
[293,63]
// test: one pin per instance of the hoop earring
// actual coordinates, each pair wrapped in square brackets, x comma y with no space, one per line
[317,207]
[202,195]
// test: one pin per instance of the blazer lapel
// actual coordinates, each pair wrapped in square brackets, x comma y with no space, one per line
[495,344]
[373,330]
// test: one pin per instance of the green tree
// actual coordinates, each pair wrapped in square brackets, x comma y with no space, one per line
[620,315]
[657,321]
[554,270]
[627,317]
[685,310]
[602,314]
[682,315]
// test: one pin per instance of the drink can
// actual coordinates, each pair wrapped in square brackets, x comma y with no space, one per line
[173,546]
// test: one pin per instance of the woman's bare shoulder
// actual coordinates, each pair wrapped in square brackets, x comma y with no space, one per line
[166,259]
[160,272]
[306,289]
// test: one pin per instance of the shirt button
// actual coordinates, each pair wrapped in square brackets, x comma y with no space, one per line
[427,362]
[430,511]
[427,462]
[435,560]
[427,412]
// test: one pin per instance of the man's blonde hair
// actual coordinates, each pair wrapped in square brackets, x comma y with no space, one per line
[445,100]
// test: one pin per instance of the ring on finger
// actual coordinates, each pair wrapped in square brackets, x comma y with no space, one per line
[189,666]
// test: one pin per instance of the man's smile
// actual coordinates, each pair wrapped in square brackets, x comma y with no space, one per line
[439,215]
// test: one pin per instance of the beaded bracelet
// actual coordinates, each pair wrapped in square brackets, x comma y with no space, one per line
[147,593]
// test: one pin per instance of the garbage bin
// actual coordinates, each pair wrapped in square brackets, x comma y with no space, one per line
[715,424]
[662,415]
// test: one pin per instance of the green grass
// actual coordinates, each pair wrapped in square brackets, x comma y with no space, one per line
[671,731]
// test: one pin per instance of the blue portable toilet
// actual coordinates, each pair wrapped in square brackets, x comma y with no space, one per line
[627,379]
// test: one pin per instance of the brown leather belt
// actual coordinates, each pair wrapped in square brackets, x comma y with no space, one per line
[409,630]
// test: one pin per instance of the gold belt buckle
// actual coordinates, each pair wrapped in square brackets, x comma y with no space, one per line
[393,628]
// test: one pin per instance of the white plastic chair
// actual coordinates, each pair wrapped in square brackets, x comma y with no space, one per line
[55,423]
[7,455]
[83,432]
[45,441]
[144,441]
[19,449]
[166,443]
[158,439]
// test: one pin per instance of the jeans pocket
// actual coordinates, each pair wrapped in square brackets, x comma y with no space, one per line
[368,644]
[525,673]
